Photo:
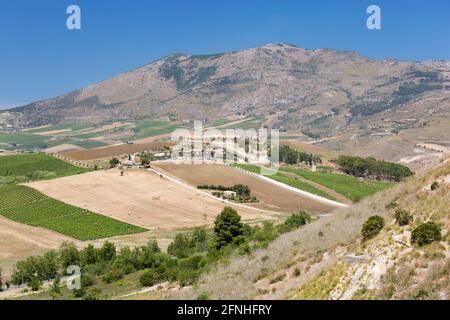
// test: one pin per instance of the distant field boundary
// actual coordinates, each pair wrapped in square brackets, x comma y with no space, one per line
[113,151]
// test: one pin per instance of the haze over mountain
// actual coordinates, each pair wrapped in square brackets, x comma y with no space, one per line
[320,93]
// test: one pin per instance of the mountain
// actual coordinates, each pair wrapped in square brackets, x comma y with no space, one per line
[341,98]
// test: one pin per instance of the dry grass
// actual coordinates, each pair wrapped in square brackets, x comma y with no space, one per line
[337,235]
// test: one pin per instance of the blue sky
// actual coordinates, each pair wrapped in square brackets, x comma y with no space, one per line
[40,58]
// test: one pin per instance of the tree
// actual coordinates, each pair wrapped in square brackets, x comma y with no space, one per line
[242,190]
[69,255]
[88,255]
[145,160]
[228,228]
[107,252]
[114,162]
[372,227]
[426,233]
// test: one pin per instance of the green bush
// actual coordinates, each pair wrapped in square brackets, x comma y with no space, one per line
[426,233]
[294,222]
[403,217]
[148,278]
[35,283]
[372,227]
[265,234]
[203,296]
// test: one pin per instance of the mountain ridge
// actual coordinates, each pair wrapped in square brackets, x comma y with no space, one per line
[339,97]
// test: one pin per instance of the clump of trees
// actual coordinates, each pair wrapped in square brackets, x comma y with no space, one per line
[426,233]
[242,192]
[372,227]
[187,256]
[370,167]
[291,156]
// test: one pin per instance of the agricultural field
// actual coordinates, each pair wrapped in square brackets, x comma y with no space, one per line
[149,128]
[252,123]
[111,151]
[34,166]
[26,205]
[141,198]
[287,180]
[270,196]
[21,140]
[62,126]
[351,187]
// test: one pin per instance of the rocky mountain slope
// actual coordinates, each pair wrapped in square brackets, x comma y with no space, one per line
[342,100]
[319,91]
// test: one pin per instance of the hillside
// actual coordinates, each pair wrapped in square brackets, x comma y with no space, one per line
[327,258]
[342,99]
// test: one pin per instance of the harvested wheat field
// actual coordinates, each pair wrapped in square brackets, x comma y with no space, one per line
[18,241]
[270,196]
[141,198]
[108,152]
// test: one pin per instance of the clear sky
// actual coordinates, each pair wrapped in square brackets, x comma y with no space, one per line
[40,58]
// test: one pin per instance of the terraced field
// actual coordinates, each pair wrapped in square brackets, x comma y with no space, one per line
[26,205]
[348,186]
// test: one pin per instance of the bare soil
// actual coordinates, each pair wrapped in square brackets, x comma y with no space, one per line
[269,195]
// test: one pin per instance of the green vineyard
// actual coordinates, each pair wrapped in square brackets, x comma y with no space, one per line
[26,205]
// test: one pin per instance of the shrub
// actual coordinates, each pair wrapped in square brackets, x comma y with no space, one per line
[372,227]
[87,280]
[434,186]
[113,275]
[266,234]
[294,222]
[426,233]
[203,296]
[35,283]
[79,293]
[180,247]
[403,217]
[148,278]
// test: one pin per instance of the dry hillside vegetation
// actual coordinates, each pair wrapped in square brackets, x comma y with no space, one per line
[327,259]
